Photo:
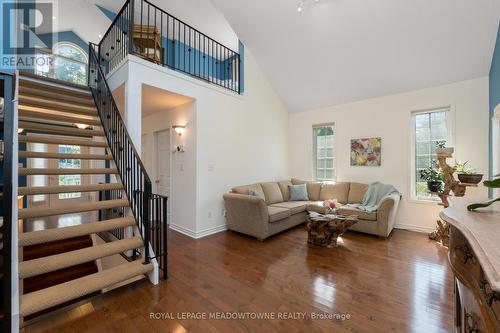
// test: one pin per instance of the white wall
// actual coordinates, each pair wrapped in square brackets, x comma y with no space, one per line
[239,138]
[389,117]
[182,199]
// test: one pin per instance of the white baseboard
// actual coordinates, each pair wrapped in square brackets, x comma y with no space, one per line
[211,231]
[416,228]
[198,234]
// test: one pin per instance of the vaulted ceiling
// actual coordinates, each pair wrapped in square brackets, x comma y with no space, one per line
[337,51]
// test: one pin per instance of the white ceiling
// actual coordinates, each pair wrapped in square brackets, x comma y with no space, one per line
[153,99]
[80,16]
[339,51]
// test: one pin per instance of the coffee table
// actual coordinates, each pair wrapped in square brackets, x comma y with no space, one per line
[323,230]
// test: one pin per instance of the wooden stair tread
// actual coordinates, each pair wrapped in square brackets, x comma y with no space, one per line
[38,251]
[45,298]
[59,129]
[68,188]
[36,92]
[30,107]
[85,207]
[55,105]
[48,84]
[50,171]
[66,141]
[36,154]
[67,259]
[27,115]
[50,235]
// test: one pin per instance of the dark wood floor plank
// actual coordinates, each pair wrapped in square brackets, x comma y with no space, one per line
[402,284]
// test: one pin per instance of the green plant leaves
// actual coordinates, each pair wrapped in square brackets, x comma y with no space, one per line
[475,206]
[495,183]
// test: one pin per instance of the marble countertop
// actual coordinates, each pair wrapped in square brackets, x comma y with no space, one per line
[482,231]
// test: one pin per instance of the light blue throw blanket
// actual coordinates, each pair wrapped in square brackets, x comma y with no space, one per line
[374,194]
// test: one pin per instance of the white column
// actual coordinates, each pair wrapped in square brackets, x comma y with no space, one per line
[133,111]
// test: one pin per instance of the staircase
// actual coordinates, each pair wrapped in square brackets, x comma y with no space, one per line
[53,108]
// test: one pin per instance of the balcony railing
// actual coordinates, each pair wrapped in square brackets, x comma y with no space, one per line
[147,31]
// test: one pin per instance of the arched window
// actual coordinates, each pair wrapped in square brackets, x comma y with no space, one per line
[68,62]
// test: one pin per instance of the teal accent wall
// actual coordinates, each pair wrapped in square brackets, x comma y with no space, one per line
[63,36]
[109,14]
[494,89]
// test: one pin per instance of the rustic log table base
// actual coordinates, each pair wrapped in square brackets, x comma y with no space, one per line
[324,230]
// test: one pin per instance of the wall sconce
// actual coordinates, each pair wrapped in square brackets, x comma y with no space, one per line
[20,130]
[179,129]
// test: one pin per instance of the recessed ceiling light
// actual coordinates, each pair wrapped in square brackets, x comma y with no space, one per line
[100,36]
[53,17]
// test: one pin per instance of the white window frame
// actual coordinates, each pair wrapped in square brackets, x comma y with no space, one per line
[450,126]
[53,55]
[314,152]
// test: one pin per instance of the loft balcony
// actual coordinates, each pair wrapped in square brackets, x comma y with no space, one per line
[147,31]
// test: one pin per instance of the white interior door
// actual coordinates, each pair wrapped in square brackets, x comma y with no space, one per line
[162,154]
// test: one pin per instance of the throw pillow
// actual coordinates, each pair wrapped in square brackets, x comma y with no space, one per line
[253,193]
[298,192]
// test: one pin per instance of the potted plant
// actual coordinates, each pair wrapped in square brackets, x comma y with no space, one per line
[433,177]
[466,174]
[441,148]
[495,183]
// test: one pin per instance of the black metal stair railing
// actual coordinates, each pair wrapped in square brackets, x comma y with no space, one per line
[147,31]
[148,209]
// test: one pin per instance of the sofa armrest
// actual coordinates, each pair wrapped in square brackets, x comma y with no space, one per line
[386,214]
[247,214]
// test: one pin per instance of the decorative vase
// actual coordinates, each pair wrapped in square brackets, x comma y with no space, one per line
[330,211]
[473,178]
[447,151]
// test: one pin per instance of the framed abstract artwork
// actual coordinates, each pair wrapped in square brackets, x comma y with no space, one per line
[366,152]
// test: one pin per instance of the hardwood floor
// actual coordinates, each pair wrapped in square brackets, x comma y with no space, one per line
[402,284]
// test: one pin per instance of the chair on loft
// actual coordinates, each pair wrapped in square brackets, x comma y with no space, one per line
[147,42]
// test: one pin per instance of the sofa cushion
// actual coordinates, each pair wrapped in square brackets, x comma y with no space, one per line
[339,191]
[298,192]
[294,206]
[272,192]
[357,192]
[313,188]
[360,213]
[244,189]
[278,213]
[284,189]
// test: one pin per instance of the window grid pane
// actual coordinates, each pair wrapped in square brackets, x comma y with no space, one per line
[430,128]
[324,155]
[65,180]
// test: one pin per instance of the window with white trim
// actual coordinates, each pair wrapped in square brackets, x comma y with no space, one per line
[324,152]
[428,128]
[67,62]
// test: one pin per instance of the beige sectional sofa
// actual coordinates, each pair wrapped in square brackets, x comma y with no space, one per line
[269,210]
